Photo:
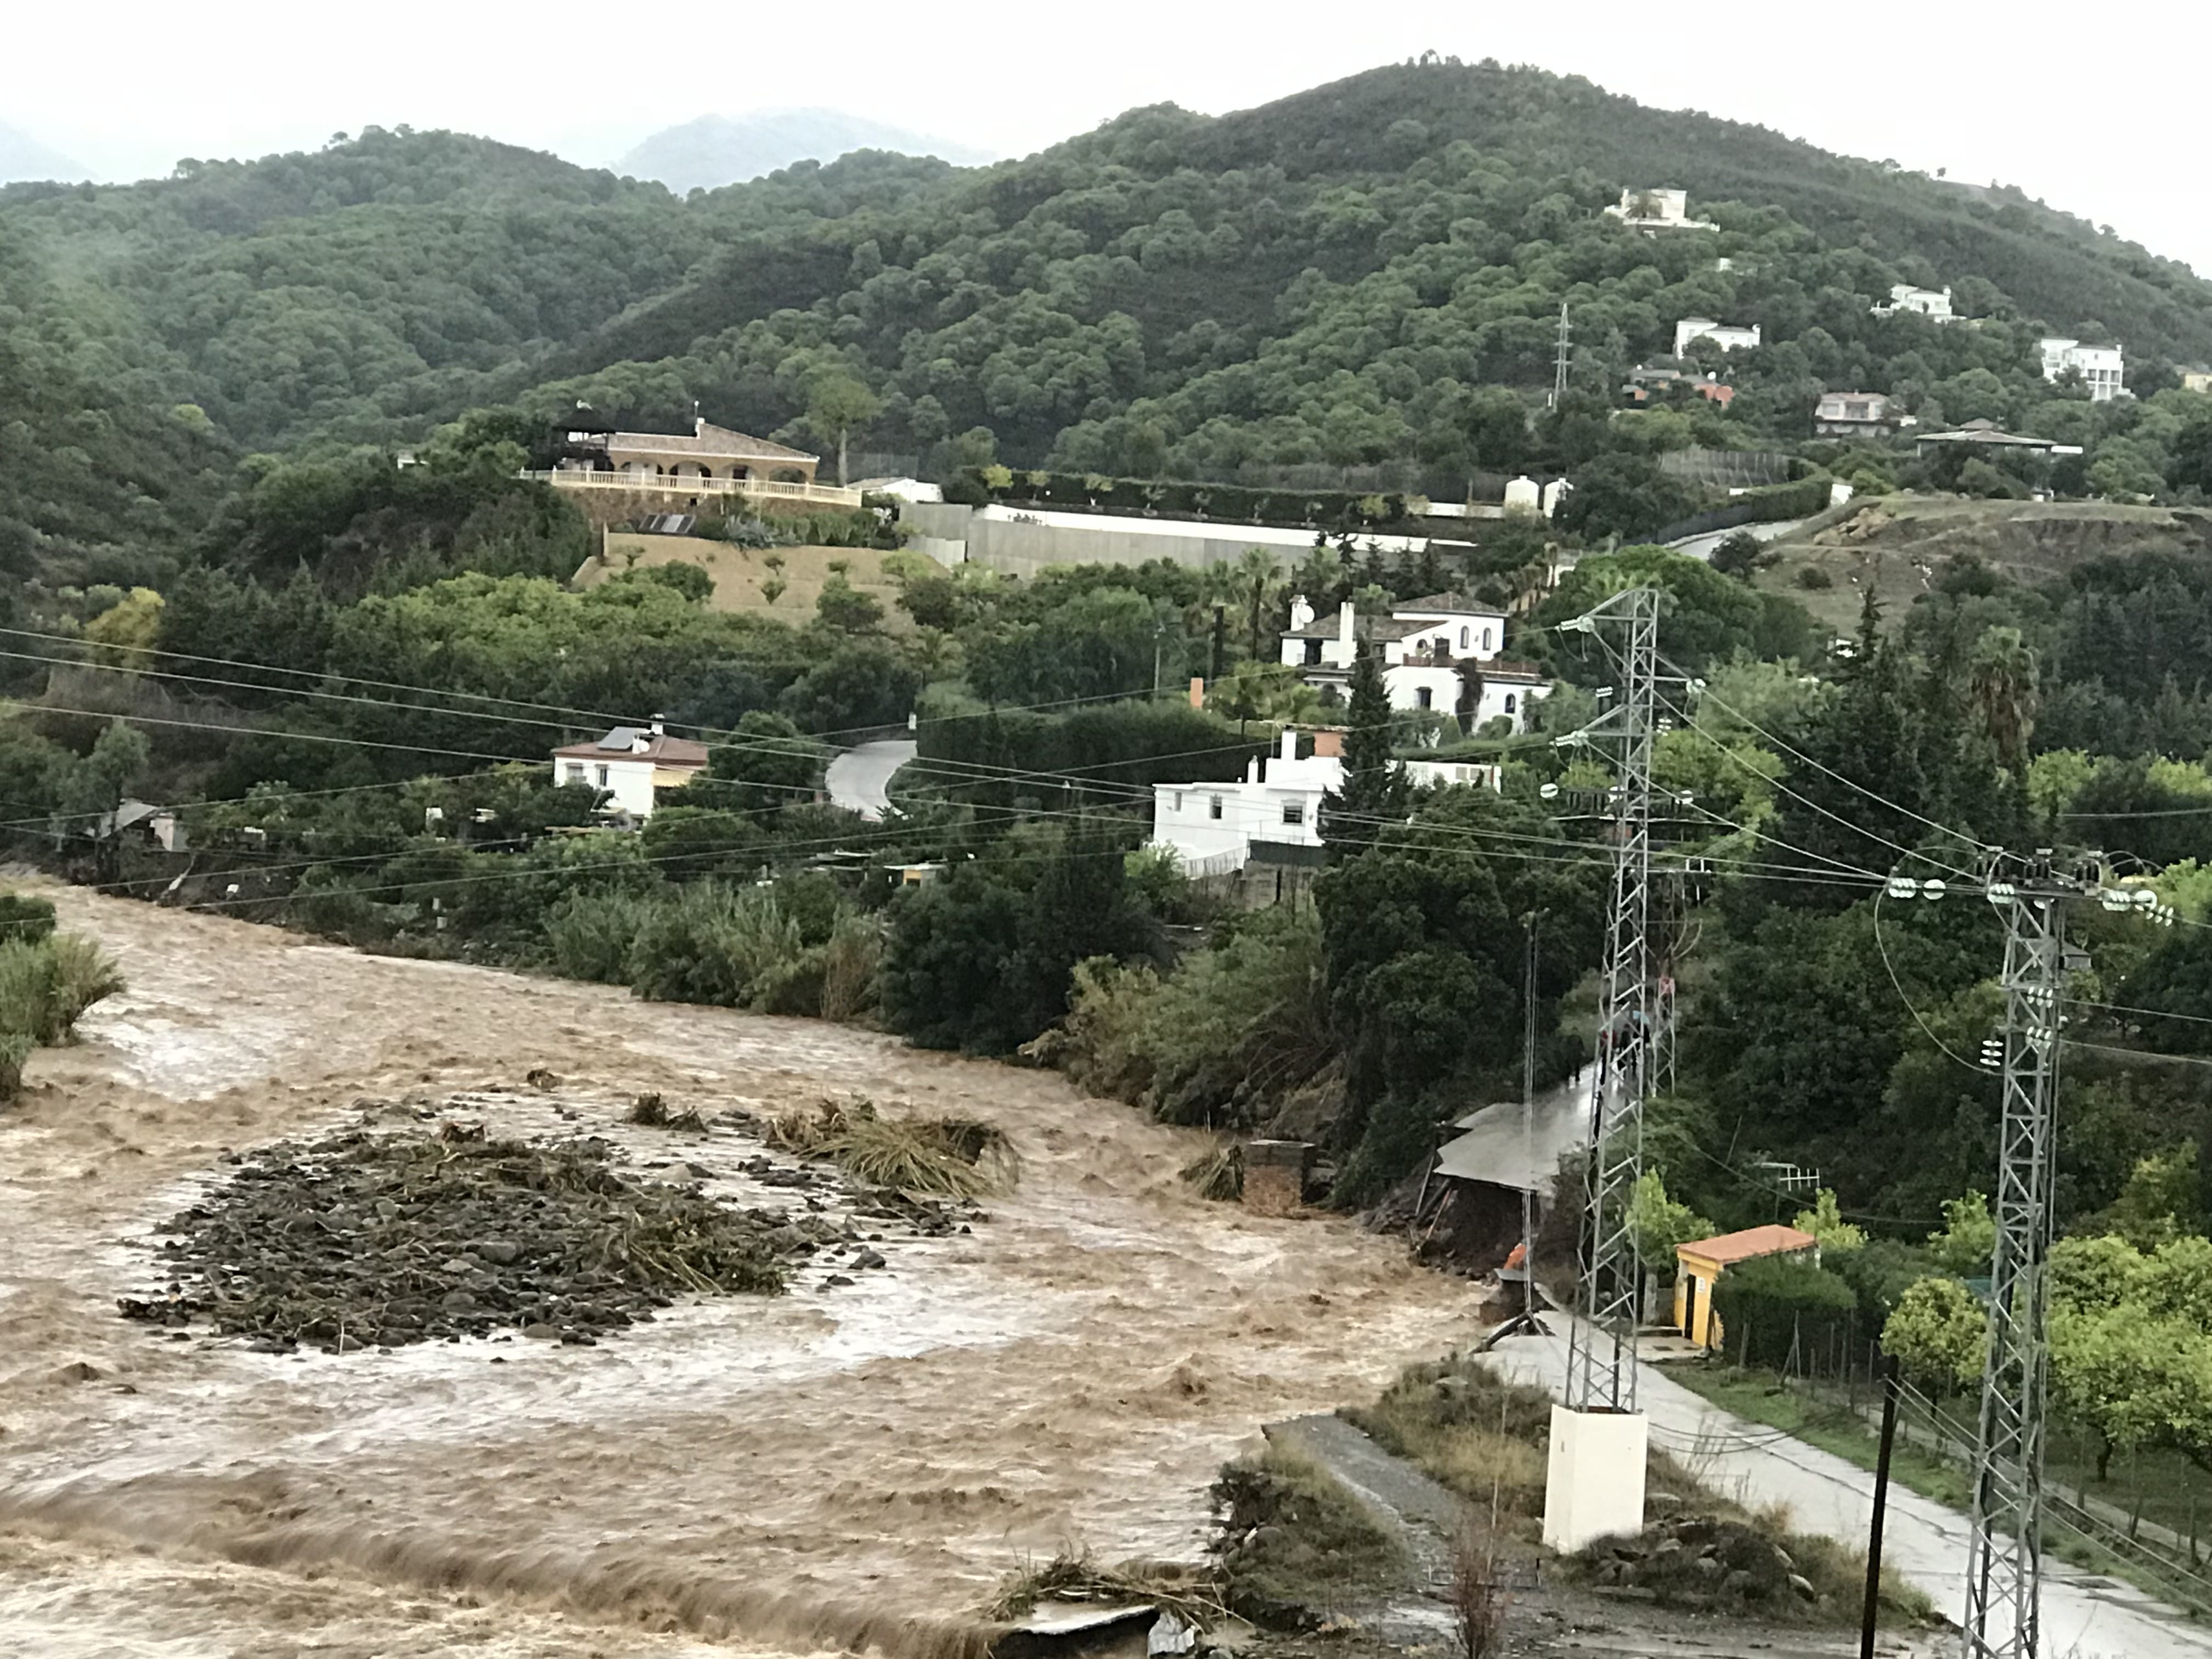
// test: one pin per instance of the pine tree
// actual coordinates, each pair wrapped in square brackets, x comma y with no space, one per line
[1374,790]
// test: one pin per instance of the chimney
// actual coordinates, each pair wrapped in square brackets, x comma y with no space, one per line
[1328,744]
[1302,613]
[1197,691]
[1252,770]
[659,725]
[1290,750]
[1346,617]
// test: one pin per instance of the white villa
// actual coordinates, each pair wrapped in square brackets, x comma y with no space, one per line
[631,765]
[1422,645]
[1934,304]
[2102,368]
[1213,827]
[1652,211]
[1727,336]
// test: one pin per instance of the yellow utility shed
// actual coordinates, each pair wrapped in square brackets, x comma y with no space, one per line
[1699,1266]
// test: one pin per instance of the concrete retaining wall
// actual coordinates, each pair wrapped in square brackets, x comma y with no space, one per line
[1024,544]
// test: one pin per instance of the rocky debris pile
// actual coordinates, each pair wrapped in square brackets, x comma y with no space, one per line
[366,1239]
[1696,1562]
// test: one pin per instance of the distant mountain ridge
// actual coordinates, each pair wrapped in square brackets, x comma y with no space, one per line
[24,158]
[724,149]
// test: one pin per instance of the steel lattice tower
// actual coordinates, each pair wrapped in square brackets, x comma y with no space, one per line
[1601,1354]
[1562,360]
[2004,1553]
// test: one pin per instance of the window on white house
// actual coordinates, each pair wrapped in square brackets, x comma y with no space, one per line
[1462,638]
[1509,703]
[1178,801]
[1485,638]
[1425,698]
[574,773]
[1294,811]
[1213,807]
[602,776]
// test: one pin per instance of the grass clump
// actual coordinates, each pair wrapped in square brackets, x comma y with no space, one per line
[1193,1597]
[1219,1173]
[954,1158]
[1467,1428]
[1293,1542]
[47,981]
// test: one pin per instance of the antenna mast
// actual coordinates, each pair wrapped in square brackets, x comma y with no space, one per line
[1562,360]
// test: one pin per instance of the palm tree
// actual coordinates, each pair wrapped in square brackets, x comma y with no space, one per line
[2003,687]
[1255,575]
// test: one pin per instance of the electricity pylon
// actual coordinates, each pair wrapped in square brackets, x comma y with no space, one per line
[1562,360]
[1601,1353]
[2004,1547]
[1593,1485]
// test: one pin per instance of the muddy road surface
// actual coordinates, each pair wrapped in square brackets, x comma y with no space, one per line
[840,1467]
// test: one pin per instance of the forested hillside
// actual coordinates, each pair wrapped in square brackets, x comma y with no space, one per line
[1368,274]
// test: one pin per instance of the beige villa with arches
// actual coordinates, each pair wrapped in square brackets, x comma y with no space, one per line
[707,460]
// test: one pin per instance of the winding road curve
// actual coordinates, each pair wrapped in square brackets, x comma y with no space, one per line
[859,778]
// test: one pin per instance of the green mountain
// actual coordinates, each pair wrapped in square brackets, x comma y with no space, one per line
[1367,275]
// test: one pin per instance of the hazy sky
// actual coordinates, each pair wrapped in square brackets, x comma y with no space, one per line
[2097,111]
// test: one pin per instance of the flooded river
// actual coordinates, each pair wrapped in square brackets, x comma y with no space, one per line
[834,1468]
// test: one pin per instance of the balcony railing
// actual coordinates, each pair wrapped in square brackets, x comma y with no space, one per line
[671,484]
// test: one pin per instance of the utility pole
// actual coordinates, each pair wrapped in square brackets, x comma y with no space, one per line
[1561,360]
[1596,1482]
[1529,1127]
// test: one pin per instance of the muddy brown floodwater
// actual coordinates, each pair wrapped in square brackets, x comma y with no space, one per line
[832,1468]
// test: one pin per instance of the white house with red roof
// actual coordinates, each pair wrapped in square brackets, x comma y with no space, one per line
[631,765]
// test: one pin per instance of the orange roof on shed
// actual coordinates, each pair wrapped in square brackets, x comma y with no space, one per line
[1774,1240]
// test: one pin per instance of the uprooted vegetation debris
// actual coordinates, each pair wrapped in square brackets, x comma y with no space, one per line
[955,1158]
[374,1238]
[650,1111]
[1194,1596]
[1218,1173]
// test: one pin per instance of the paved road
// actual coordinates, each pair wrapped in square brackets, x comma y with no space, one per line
[1701,547]
[2085,1616]
[859,778]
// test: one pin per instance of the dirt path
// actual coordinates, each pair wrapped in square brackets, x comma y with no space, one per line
[827,1468]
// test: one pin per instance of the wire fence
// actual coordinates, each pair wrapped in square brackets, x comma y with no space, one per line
[2143,1520]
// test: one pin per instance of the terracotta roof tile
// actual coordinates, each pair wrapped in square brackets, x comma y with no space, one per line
[1772,1240]
[707,440]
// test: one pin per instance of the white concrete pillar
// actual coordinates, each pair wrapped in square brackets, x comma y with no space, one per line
[1594,1487]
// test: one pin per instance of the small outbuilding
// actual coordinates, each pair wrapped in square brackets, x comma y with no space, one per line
[1699,1266]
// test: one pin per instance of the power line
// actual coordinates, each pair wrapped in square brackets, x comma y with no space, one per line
[1795,753]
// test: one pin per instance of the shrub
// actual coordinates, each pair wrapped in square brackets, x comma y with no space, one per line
[46,986]
[23,917]
[1773,1307]
[591,935]
[1813,579]
[84,974]
[715,944]
[686,842]
[14,1050]
[1937,1334]
[850,957]
[1880,1274]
